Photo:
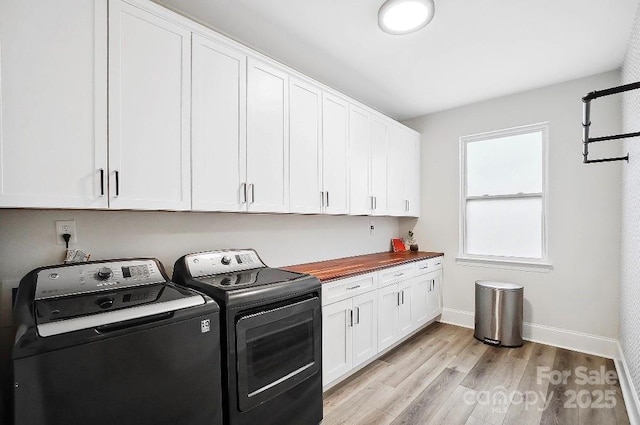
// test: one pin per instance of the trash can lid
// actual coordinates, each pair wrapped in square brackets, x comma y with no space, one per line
[505,286]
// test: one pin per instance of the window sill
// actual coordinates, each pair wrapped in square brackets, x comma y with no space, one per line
[508,264]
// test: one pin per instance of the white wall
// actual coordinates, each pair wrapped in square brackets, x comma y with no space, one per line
[630,262]
[27,237]
[580,294]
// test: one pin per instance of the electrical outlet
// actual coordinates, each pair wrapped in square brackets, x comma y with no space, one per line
[372,227]
[66,226]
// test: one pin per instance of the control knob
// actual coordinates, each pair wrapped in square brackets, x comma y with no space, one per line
[226,260]
[104,273]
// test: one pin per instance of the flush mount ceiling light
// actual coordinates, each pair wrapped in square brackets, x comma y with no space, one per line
[405,16]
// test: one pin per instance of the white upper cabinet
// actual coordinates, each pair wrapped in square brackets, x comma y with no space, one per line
[125,104]
[397,163]
[360,200]
[403,161]
[411,173]
[335,154]
[218,136]
[267,138]
[378,182]
[369,150]
[305,159]
[53,99]
[149,110]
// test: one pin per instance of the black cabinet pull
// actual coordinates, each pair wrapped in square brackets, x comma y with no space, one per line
[117,183]
[102,182]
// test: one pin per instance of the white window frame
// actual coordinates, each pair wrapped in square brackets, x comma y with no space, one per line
[519,263]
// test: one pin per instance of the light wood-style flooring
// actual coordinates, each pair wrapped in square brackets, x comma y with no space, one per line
[443,375]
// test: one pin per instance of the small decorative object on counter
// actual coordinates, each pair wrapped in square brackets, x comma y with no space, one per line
[413,246]
[397,245]
[76,256]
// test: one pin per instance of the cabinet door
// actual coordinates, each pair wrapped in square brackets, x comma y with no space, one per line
[360,202]
[405,324]
[434,294]
[411,176]
[149,110]
[267,138]
[378,179]
[218,135]
[397,157]
[53,119]
[388,303]
[337,340]
[365,327]
[335,154]
[305,107]
[420,300]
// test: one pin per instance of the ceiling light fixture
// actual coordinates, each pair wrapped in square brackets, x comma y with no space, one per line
[405,16]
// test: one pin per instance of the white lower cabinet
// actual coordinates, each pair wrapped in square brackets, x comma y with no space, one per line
[420,300]
[349,334]
[388,305]
[361,320]
[397,312]
[365,327]
[433,281]
[337,340]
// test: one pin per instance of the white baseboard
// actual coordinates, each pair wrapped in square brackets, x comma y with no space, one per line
[626,384]
[458,317]
[563,338]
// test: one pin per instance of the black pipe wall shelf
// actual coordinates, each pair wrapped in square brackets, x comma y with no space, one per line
[586,122]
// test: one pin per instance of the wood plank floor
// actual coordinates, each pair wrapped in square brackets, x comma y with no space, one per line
[444,376]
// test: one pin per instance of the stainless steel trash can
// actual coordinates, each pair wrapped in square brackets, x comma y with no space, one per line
[498,318]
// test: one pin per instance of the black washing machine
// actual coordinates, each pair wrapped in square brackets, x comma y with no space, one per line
[114,342]
[271,326]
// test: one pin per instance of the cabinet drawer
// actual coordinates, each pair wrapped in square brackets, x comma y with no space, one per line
[347,288]
[396,274]
[426,266]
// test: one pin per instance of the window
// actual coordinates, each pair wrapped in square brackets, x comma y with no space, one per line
[503,199]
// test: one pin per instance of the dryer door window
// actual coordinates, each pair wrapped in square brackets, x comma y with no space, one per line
[277,349]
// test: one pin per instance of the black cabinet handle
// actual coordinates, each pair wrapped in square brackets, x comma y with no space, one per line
[243,192]
[117,183]
[102,182]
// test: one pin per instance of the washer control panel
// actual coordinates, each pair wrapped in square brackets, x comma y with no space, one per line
[91,277]
[220,262]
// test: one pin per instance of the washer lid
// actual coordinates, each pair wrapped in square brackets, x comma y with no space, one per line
[505,286]
[92,310]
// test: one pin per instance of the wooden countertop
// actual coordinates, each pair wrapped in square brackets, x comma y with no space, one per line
[351,266]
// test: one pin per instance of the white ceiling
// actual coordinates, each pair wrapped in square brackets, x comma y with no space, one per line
[471,51]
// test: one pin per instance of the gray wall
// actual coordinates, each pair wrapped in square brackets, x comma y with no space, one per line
[27,237]
[580,294]
[630,263]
